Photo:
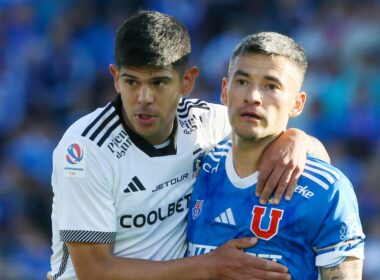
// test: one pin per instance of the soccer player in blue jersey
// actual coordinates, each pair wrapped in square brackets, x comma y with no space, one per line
[318,232]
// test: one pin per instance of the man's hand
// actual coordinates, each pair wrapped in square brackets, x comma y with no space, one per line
[281,165]
[230,262]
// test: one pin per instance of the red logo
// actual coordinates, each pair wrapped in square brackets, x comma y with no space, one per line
[275,216]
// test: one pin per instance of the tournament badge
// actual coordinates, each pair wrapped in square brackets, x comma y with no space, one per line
[74,161]
[197,209]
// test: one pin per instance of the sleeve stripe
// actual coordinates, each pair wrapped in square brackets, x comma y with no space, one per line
[109,106]
[321,166]
[316,180]
[87,236]
[108,132]
[351,242]
[103,125]
[186,114]
[185,104]
[322,173]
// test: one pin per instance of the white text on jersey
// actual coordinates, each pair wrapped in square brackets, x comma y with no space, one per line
[304,191]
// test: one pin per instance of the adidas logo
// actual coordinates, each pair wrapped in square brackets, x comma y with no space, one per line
[134,186]
[226,217]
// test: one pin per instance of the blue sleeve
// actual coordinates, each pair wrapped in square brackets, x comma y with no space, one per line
[340,234]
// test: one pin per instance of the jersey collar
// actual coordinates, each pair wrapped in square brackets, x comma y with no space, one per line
[236,180]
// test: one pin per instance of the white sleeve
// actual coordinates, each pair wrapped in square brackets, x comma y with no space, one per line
[83,194]
[218,122]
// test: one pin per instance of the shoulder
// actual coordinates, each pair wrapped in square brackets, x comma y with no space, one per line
[189,106]
[322,177]
[90,131]
[219,152]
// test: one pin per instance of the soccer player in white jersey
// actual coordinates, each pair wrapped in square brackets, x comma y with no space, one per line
[319,229]
[123,174]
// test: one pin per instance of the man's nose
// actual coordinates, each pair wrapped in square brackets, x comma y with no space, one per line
[145,95]
[253,95]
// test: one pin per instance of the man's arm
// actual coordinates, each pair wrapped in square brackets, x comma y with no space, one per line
[283,161]
[96,261]
[350,269]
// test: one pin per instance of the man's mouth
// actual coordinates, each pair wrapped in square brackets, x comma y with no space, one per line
[250,115]
[144,116]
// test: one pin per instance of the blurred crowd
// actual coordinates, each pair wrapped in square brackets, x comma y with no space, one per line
[54,58]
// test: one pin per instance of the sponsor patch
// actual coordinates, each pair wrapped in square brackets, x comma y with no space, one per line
[74,162]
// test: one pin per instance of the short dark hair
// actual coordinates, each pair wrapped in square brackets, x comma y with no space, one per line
[152,39]
[272,43]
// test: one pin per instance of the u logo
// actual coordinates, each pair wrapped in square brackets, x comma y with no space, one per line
[258,213]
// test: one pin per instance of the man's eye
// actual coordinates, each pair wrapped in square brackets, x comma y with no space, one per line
[242,82]
[130,82]
[272,86]
[159,83]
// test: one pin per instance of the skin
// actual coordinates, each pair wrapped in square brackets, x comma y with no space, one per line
[150,98]
[350,269]
[262,93]
[261,96]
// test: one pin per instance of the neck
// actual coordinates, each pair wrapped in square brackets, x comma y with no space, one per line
[246,153]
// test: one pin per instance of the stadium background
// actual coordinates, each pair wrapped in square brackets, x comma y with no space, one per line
[54,58]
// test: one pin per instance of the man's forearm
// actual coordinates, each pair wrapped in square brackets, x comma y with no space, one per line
[350,269]
[187,269]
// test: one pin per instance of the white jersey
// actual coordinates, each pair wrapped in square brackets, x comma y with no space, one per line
[113,187]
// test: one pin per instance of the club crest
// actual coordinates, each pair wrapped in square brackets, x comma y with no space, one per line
[197,209]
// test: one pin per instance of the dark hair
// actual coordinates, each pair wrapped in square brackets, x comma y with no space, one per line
[272,43]
[152,39]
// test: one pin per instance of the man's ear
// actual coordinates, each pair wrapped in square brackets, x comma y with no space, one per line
[116,76]
[189,78]
[299,103]
[223,96]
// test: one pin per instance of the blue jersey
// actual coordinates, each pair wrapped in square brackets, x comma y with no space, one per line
[320,226]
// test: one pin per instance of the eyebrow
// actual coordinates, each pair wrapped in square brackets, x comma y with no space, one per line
[240,72]
[273,79]
[128,75]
